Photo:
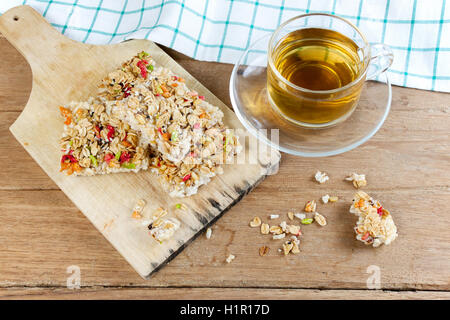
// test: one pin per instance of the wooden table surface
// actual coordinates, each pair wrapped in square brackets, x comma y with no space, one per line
[407,164]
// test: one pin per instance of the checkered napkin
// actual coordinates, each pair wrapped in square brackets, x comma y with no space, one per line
[418,31]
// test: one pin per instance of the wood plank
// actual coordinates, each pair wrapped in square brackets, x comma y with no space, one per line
[33,255]
[23,172]
[216,294]
[15,80]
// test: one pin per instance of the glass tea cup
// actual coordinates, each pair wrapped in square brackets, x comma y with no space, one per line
[317,66]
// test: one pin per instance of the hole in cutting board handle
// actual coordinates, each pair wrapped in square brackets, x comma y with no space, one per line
[16,18]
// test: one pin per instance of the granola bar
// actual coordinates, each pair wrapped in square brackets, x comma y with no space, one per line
[375,225]
[188,139]
[94,142]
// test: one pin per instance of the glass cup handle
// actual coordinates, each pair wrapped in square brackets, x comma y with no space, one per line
[381,60]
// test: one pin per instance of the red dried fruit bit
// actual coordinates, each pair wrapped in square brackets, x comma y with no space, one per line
[380,211]
[186,177]
[108,157]
[125,157]
[126,91]
[110,132]
[365,236]
[97,131]
[68,157]
[160,130]
[201,97]
[142,64]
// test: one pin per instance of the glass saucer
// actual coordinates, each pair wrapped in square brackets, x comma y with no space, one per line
[248,93]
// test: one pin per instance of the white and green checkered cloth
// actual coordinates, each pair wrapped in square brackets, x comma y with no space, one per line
[418,31]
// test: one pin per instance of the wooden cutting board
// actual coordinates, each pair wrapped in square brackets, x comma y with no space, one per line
[65,70]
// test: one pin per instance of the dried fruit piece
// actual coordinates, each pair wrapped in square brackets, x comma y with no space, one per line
[307,221]
[310,206]
[321,177]
[263,251]
[180,206]
[265,228]
[358,180]
[256,222]
[320,219]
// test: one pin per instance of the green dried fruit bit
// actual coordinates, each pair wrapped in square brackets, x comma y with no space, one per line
[142,54]
[307,221]
[93,160]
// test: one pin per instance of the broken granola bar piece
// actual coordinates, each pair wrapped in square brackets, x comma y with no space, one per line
[375,225]
[186,133]
[95,142]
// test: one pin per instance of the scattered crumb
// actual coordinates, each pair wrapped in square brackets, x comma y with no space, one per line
[26,144]
[291,246]
[230,258]
[163,229]
[274,216]
[310,206]
[208,233]
[358,180]
[300,216]
[320,219]
[138,208]
[256,222]
[321,177]
[263,251]
[325,198]
[290,215]
[295,230]
[265,228]
[279,236]
[287,247]
[276,230]
[334,199]
[283,226]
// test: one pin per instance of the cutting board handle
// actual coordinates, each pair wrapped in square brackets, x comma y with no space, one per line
[33,36]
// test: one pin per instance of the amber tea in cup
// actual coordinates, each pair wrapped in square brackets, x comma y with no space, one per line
[317,67]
